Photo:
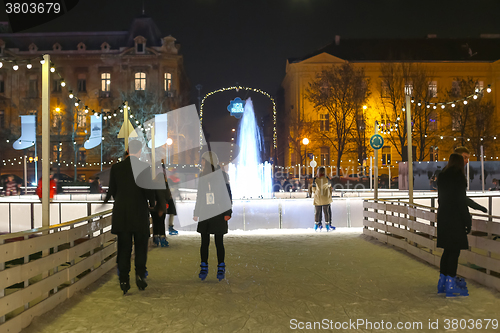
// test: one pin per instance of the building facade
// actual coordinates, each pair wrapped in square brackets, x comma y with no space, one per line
[446,63]
[101,70]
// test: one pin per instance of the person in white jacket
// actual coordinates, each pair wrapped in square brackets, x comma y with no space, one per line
[322,200]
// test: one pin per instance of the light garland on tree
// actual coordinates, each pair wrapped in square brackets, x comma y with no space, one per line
[237,88]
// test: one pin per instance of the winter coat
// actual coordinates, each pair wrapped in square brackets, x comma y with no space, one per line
[213,202]
[453,218]
[322,191]
[132,203]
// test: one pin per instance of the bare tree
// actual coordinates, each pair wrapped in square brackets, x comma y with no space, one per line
[474,121]
[342,91]
[299,129]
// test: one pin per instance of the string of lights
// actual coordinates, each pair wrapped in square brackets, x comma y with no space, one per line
[237,88]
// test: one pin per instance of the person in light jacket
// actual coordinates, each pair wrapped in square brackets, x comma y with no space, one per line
[322,190]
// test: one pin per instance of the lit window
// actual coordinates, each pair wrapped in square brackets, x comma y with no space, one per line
[455,89]
[324,156]
[433,121]
[140,81]
[105,81]
[456,122]
[409,89]
[433,89]
[386,155]
[167,81]
[480,85]
[82,119]
[82,83]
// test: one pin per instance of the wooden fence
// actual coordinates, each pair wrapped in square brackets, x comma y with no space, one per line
[412,227]
[41,268]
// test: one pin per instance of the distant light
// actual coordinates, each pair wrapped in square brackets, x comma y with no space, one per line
[169,141]
[28,66]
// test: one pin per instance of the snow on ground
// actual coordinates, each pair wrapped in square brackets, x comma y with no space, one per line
[277,281]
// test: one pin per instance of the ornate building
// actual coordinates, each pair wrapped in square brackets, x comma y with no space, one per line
[445,64]
[101,69]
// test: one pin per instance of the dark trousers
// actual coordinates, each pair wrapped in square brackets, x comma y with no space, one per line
[158,223]
[449,262]
[327,211]
[124,254]
[219,244]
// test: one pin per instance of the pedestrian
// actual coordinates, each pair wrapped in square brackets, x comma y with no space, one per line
[496,186]
[52,184]
[171,210]
[130,219]
[453,224]
[322,190]
[11,186]
[212,211]
[159,213]
[95,185]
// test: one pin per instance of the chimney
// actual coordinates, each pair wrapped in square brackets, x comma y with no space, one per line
[337,39]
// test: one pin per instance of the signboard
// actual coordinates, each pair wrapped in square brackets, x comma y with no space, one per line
[95,132]
[313,163]
[376,141]
[236,107]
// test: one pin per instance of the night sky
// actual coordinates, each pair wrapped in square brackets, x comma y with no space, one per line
[248,41]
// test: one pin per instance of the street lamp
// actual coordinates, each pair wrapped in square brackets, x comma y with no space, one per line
[305,142]
[169,143]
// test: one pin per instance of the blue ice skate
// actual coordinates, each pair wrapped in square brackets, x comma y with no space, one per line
[172,231]
[163,241]
[318,225]
[441,284]
[203,271]
[329,227]
[156,240]
[221,271]
[452,290]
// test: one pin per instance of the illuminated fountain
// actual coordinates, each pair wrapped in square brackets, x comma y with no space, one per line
[249,177]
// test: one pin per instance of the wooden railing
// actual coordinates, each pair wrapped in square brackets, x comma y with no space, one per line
[412,227]
[41,268]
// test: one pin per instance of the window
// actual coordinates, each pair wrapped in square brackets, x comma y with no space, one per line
[433,90]
[456,122]
[324,122]
[433,121]
[81,84]
[105,81]
[433,154]
[168,81]
[56,87]
[480,85]
[2,86]
[82,119]
[56,152]
[140,48]
[324,157]
[385,89]
[56,119]
[2,119]
[455,89]
[33,86]
[409,89]
[140,81]
[386,155]
[82,156]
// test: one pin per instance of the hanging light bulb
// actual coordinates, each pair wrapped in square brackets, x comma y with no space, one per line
[453,104]
[475,96]
[454,139]
[86,109]
[427,105]
[52,68]
[488,90]
[28,65]
[71,94]
[442,106]
[412,99]
[15,67]
[63,84]
[419,103]
[435,106]
[465,102]
[42,61]
[1,64]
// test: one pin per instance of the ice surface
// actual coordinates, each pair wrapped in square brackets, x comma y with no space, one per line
[273,277]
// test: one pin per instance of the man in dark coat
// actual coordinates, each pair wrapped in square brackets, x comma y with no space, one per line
[130,218]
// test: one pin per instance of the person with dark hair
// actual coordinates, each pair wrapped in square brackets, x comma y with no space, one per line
[212,211]
[11,186]
[322,200]
[496,186]
[95,185]
[453,224]
[128,185]
[465,152]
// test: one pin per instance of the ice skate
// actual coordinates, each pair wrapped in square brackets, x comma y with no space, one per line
[141,282]
[452,290]
[163,241]
[221,271]
[156,240]
[461,282]
[441,284]
[329,227]
[203,271]
[125,286]
[172,231]
[318,225]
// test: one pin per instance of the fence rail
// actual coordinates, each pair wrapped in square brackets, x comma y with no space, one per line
[412,227]
[40,268]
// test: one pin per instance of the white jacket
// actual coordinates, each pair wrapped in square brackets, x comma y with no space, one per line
[322,191]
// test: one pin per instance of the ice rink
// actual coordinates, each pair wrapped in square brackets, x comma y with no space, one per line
[278,281]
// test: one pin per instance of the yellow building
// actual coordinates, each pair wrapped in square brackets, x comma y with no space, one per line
[444,61]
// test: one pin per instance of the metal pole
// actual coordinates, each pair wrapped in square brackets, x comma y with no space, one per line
[25,176]
[125,123]
[36,159]
[371,172]
[410,149]
[101,141]
[468,179]
[375,178]
[153,150]
[389,176]
[46,141]
[482,168]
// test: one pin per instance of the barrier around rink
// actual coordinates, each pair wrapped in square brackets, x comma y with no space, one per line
[412,227]
[41,268]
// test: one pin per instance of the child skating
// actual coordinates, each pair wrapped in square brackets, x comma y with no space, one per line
[322,199]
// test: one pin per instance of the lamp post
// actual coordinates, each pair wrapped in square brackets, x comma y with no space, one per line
[169,143]
[305,142]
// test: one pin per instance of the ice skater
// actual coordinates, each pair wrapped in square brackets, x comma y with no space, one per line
[453,224]
[158,214]
[212,211]
[322,200]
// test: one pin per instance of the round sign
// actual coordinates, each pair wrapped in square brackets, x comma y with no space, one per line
[313,163]
[376,141]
